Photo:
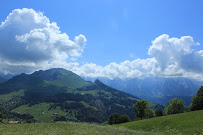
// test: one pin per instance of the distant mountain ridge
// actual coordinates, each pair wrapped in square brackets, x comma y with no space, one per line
[61,95]
[2,80]
[156,89]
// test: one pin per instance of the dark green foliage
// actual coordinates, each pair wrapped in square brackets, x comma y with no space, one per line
[197,100]
[187,109]
[140,107]
[3,113]
[142,110]
[114,118]
[149,113]
[158,112]
[174,106]
[124,118]
[117,118]
[27,118]
[60,118]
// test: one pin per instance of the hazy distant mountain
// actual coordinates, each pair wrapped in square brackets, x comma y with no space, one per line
[156,89]
[2,80]
[7,76]
[58,94]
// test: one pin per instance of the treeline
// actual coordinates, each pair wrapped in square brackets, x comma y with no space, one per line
[174,106]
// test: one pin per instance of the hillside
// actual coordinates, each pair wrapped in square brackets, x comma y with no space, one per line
[185,123]
[156,89]
[60,95]
[2,80]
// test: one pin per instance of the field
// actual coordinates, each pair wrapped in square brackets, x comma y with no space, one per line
[36,111]
[179,124]
[184,123]
[69,128]
[9,96]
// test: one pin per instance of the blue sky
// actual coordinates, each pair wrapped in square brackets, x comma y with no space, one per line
[118,30]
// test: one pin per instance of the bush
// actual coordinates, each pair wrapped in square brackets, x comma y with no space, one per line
[159,112]
[117,118]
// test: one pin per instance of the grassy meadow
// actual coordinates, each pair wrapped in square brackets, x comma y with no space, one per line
[184,123]
[69,128]
[190,123]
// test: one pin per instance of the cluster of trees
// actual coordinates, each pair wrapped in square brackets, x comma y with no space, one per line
[3,114]
[174,106]
[117,118]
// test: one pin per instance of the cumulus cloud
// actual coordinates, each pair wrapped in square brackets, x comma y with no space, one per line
[171,57]
[29,41]
[174,52]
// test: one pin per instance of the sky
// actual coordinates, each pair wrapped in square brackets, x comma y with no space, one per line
[103,38]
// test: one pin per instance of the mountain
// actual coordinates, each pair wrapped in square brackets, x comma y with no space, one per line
[2,80]
[7,76]
[156,89]
[61,95]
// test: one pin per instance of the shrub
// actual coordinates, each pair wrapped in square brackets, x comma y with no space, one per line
[117,118]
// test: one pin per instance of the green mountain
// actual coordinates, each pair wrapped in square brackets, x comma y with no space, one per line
[60,95]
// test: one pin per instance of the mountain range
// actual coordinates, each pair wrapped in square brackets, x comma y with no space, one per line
[61,95]
[156,89]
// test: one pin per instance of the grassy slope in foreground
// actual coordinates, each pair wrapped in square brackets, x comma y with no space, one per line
[185,123]
[69,128]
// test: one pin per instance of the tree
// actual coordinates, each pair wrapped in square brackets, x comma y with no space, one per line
[197,100]
[149,113]
[124,118]
[3,113]
[174,106]
[159,112]
[140,107]
[117,118]
[142,110]
[114,118]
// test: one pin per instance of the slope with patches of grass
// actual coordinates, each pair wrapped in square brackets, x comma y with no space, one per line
[185,123]
[39,111]
[9,96]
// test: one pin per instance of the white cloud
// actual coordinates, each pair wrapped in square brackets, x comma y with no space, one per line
[172,57]
[173,51]
[29,41]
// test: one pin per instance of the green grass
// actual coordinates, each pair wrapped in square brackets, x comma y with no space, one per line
[87,105]
[9,96]
[69,128]
[184,123]
[120,105]
[36,110]
[94,92]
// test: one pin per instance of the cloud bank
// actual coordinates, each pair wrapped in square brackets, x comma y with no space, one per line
[29,42]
